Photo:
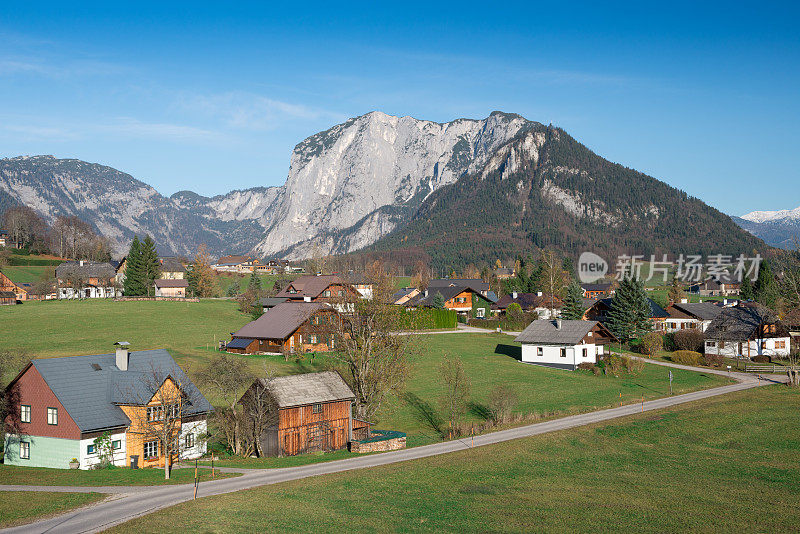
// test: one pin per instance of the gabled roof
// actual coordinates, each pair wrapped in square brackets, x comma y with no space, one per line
[656,311]
[281,321]
[548,332]
[602,286]
[271,302]
[308,388]
[310,286]
[171,264]
[89,269]
[233,260]
[476,284]
[447,293]
[528,301]
[704,311]
[740,323]
[167,282]
[92,397]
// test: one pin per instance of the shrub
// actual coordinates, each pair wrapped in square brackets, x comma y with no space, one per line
[586,366]
[691,340]
[762,358]
[502,401]
[712,360]
[651,344]
[514,309]
[617,365]
[687,357]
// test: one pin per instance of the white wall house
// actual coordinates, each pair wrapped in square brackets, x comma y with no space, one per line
[563,344]
[770,346]
[745,331]
[687,315]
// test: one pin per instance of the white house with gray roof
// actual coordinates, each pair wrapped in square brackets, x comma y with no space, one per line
[563,344]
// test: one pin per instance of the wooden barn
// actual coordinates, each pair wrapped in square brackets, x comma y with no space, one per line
[301,413]
[287,327]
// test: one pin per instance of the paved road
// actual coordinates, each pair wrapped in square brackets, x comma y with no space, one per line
[130,502]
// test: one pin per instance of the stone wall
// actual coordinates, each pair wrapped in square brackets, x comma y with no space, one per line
[378,446]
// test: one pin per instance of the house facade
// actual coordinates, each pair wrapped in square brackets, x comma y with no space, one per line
[6,285]
[690,315]
[329,289]
[563,344]
[60,406]
[545,306]
[308,412]
[171,288]
[236,264]
[747,330]
[288,327]
[597,291]
[86,280]
[600,310]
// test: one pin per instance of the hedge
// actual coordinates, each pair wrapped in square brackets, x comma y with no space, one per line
[428,319]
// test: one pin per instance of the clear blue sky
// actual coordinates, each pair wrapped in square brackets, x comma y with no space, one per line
[212,98]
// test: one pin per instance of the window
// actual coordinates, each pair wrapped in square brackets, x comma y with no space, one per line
[585,352]
[327,293]
[189,441]
[563,352]
[341,293]
[313,339]
[480,313]
[155,413]
[763,345]
[90,449]
[24,450]
[25,413]
[332,337]
[52,416]
[150,449]
[709,344]
[539,351]
[316,408]
[780,344]
[116,444]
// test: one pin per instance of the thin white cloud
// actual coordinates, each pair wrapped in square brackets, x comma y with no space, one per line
[135,128]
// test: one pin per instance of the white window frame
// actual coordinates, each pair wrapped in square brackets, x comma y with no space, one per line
[116,444]
[52,416]
[152,447]
[313,339]
[189,441]
[540,351]
[316,408]
[25,450]
[25,410]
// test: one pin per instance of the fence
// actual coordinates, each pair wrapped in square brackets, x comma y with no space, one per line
[765,368]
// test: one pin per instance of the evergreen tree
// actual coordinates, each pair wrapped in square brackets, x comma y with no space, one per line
[254,285]
[134,285]
[746,289]
[151,265]
[438,301]
[765,290]
[630,310]
[573,302]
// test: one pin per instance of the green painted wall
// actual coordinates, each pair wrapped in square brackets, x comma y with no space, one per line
[45,452]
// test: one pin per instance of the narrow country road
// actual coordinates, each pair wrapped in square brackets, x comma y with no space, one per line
[130,502]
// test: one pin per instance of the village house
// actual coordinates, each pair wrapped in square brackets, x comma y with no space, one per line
[747,330]
[86,280]
[724,285]
[361,284]
[7,298]
[171,288]
[287,327]
[268,303]
[792,322]
[403,295]
[319,288]
[684,314]
[546,306]
[464,300]
[303,413]
[20,291]
[172,268]
[504,273]
[236,264]
[601,308]
[597,291]
[563,344]
[476,284]
[61,405]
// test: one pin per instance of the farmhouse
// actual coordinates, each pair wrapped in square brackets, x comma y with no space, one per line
[683,315]
[462,299]
[60,405]
[303,413]
[724,285]
[747,330]
[287,327]
[319,288]
[171,288]
[236,264]
[476,284]
[172,268]
[267,303]
[546,306]
[404,295]
[563,344]
[600,310]
[7,298]
[86,279]
[6,285]
[597,291]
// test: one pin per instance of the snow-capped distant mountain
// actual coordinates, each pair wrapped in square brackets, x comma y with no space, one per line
[779,228]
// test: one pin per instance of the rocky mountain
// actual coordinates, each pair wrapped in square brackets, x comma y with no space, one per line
[544,189]
[466,188]
[778,228]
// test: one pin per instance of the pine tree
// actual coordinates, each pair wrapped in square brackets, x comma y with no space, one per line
[630,310]
[254,285]
[151,265]
[134,275]
[573,302]
[765,290]
[746,288]
[438,301]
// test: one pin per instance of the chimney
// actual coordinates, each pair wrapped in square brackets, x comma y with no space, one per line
[538,293]
[514,295]
[306,299]
[426,292]
[122,355]
[558,323]
[81,263]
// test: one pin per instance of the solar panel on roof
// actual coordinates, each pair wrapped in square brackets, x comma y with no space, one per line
[239,343]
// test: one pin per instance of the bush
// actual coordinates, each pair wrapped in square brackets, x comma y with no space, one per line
[669,342]
[762,358]
[617,365]
[651,344]
[514,309]
[687,357]
[428,319]
[712,360]
[691,340]
[589,366]
[502,401]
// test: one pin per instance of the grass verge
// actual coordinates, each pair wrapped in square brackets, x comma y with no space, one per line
[20,507]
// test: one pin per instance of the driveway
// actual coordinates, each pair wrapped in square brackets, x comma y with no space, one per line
[131,502]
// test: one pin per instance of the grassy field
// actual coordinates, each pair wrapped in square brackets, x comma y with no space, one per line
[722,464]
[20,507]
[225,280]
[43,476]
[28,274]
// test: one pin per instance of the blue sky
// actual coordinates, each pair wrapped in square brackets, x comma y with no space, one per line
[212,98]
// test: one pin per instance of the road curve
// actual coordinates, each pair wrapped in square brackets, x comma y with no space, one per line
[130,502]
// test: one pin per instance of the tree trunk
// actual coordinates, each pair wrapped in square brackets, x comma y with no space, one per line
[167,465]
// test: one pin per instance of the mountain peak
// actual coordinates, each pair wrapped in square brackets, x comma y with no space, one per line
[769,216]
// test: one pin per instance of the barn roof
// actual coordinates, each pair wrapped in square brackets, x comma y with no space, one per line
[549,333]
[705,311]
[281,321]
[91,388]
[740,323]
[166,282]
[89,269]
[308,388]
[310,286]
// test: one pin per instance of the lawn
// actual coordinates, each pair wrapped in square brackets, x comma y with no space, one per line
[28,274]
[225,280]
[722,464]
[44,476]
[20,507]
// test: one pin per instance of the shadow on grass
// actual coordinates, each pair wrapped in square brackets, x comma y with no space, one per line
[509,350]
[424,412]
[480,410]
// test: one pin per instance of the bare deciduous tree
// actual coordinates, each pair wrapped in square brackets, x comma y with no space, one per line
[455,391]
[258,413]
